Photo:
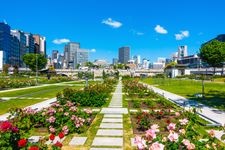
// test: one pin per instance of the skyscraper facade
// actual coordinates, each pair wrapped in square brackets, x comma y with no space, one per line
[69,53]
[5,42]
[124,54]
[39,44]
[14,59]
[80,57]
[29,42]
[22,39]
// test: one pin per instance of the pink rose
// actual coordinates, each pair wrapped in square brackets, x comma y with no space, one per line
[171,126]
[183,121]
[173,137]
[155,127]
[150,133]
[156,146]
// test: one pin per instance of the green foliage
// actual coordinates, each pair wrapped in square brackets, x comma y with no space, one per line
[135,89]
[16,82]
[83,75]
[35,61]
[94,95]
[6,68]
[213,53]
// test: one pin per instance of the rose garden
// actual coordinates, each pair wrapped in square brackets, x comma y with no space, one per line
[139,119]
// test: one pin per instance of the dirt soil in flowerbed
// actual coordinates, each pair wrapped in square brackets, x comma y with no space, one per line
[162,121]
[143,105]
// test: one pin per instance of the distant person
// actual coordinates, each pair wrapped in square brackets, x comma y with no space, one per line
[48,76]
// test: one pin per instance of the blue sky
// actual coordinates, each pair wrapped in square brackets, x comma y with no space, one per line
[152,28]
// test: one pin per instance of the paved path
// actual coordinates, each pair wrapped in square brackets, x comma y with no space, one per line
[43,85]
[37,106]
[210,113]
[110,133]
[213,115]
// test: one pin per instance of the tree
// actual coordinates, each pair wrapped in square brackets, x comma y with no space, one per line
[213,53]
[89,64]
[5,68]
[35,61]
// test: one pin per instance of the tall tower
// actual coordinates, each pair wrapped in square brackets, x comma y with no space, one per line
[182,51]
[124,54]
[22,44]
[5,42]
[69,53]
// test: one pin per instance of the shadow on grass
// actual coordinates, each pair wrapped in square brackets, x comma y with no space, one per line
[213,98]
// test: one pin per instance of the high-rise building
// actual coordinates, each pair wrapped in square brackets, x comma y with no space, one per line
[137,59]
[29,42]
[115,61]
[182,51]
[69,52]
[22,41]
[40,44]
[5,42]
[80,57]
[145,63]
[124,54]
[55,57]
[14,51]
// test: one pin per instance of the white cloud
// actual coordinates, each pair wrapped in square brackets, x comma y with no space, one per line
[60,41]
[136,32]
[159,29]
[112,23]
[93,50]
[140,33]
[182,34]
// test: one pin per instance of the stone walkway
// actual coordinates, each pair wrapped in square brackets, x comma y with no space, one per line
[110,133]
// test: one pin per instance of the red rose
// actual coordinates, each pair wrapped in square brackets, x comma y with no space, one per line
[22,143]
[61,135]
[58,144]
[34,148]
[15,129]
[52,137]
[6,125]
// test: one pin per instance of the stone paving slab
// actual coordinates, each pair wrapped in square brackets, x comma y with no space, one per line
[111,125]
[55,140]
[34,139]
[133,110]
[108,141]
[106,149]
[132,142]
[113,116]
[114,111]
[78,141]
[110,132]
[113,120]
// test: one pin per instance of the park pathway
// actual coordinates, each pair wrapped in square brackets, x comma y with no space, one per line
[110,133]
[215,116]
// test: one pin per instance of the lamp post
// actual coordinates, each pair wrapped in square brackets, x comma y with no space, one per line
[36,70]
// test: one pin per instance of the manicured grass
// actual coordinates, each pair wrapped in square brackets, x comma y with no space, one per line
[40,92]
[214,92]
[19,103]
[43,93]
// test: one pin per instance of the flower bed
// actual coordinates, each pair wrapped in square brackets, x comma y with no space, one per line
[171,130]
[92,96]
[57,119]
[135,89]
[165,126]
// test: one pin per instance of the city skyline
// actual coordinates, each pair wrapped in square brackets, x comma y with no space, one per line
[152,29]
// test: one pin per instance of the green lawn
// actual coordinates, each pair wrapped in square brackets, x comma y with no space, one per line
[43,93]
[214,92]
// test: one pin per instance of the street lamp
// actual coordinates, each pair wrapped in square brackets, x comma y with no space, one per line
[36,70]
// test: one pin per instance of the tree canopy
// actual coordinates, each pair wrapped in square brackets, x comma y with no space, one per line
[213,53]
[31,60]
